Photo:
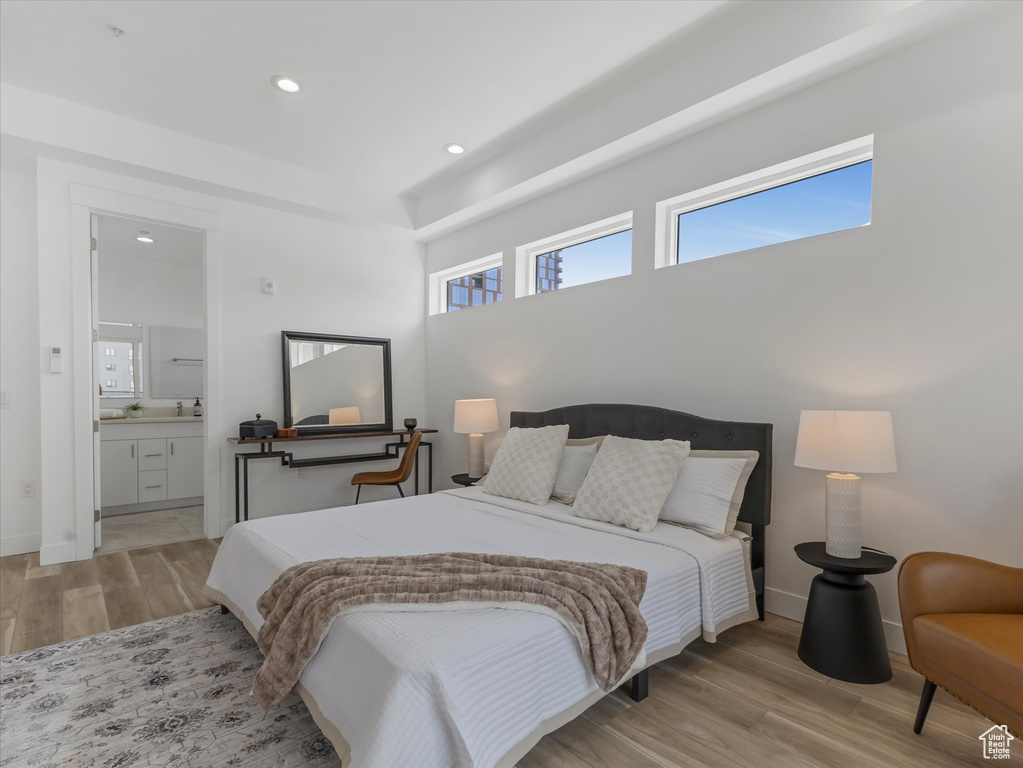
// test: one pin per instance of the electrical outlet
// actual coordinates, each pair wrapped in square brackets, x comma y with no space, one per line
[302,472]
[5,399]
[28,489]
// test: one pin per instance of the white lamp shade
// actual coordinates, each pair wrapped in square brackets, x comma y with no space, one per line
[476,416]
[846,441]
[348,414]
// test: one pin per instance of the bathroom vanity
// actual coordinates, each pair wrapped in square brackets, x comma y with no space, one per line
[151,463]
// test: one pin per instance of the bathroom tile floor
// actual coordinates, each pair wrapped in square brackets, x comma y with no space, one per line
[148,529]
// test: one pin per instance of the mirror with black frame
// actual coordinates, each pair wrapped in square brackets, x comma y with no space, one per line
[336,383]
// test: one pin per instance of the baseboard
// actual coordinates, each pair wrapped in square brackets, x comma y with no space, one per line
[152,506]
[785,604]
[65,552]
[793,606]
[19,545]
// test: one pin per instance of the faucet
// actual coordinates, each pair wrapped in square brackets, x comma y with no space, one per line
[181,411]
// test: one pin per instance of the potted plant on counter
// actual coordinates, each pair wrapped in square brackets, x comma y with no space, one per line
[135,410]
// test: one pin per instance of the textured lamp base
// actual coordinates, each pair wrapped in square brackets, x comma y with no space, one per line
[842,514]
[477,465]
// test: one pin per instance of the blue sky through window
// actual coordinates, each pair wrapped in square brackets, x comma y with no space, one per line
[829,202]
[600,259]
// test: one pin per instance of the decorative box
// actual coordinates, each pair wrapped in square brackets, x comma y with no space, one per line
[257,427]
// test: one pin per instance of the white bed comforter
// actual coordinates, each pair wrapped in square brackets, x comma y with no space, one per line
[476,686]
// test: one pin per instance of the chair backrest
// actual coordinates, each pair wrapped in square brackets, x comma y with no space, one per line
[408,459]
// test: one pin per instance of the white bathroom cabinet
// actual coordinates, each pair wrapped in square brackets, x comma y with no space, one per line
[184,467]
[119,472]
[151,465]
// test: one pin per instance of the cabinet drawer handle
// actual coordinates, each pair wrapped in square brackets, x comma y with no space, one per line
[153,486]
[133,450]
[153,455]
[172,449]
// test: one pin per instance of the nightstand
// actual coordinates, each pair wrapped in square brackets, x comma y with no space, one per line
[464,479]
[843,636]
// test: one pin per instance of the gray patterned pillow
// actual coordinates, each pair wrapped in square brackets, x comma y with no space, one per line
[526,464]
[629,481]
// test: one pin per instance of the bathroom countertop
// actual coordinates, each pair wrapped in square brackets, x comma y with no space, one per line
[151,420]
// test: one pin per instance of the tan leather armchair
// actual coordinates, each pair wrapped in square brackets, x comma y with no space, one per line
[393,477]
[963,621]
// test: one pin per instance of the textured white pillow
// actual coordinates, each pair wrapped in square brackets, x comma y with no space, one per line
[709,491]
[629,481]
[526,464]
[575,463]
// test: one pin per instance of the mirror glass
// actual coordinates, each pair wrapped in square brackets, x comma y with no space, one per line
[176,362]
[119,350]
[337,383]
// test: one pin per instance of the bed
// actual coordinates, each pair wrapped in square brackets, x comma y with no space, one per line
[480,684]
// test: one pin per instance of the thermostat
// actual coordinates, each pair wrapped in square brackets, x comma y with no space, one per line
[55,355]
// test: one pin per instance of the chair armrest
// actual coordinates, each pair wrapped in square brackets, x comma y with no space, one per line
[939,582]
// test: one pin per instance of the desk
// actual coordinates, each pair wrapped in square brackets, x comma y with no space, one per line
[266,451]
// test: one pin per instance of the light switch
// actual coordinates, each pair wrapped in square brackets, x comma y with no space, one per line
[5,399]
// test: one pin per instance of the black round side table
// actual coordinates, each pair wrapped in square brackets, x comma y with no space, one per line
[843,636]
[464,479]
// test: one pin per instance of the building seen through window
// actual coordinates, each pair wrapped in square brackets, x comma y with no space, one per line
[475,290]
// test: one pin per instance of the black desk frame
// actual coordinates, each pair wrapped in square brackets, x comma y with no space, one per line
[391,450]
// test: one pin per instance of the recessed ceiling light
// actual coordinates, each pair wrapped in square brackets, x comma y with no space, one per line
[144,237]
[454,149]
[286,84]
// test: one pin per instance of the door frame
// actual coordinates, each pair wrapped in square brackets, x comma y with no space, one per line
[85,201]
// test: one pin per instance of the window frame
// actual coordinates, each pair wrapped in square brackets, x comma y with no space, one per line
[816,163]
[526,255]
[438,299]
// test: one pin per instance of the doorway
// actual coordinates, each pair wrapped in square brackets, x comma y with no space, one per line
[149,349]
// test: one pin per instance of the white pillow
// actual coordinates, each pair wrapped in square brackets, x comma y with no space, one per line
[526,464]
[629,481]
[709,491]
[575,463]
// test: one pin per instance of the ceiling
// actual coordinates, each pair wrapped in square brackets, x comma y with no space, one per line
[387,84]
[542,94]
[173,244]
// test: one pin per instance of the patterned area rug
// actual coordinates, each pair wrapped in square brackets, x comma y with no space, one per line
[170,692]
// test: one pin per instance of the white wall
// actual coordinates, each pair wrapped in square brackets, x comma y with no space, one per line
[151,293]
[19,364]
[331,278]
[919,313]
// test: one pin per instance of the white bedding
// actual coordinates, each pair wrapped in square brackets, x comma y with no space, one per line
[476,686]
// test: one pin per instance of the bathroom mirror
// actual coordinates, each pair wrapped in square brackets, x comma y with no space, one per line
[336,383]
[176,362]
[120,360]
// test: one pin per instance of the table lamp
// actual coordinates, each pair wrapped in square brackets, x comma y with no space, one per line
[844,443]
[473,418]
[345,415]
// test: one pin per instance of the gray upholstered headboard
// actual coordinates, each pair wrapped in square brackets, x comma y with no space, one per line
[645,422]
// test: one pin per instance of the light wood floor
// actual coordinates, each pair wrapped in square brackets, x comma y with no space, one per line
[148,529]
[746,700]
[45,605]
